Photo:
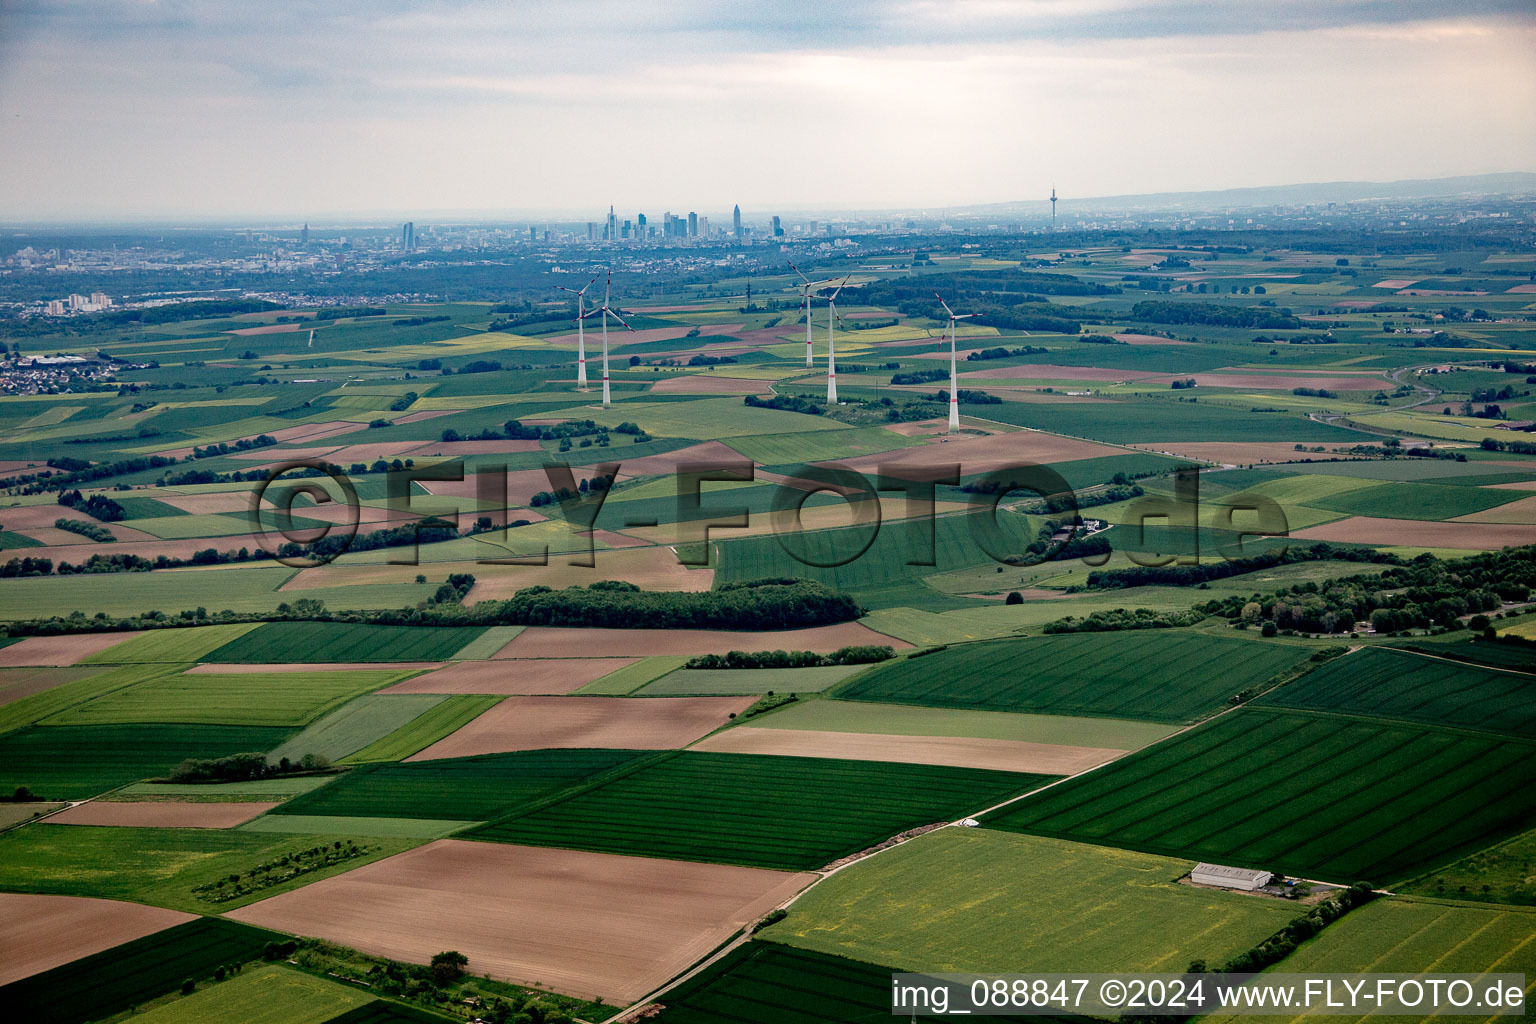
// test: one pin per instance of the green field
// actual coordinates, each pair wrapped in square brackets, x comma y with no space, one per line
[978,900]
[136,972]
[158,865]
[1418,936]
[906,720]
[488,643]
[1151,422]
[419,733]
[1500,874]
[457,788]
[278,642]
[133,593]
[763,811]
[274,789]
[1152,675]
[358,723]
[1416,500]
[383,1012]
[818,446]
[361,828]
[1321,796]
[766,983]
[1395,684]
[1495,655]
[728,682]
[261,995]
[630,678]
[881,577]
[182,646]
[70,762]
[76,686]
[255,698]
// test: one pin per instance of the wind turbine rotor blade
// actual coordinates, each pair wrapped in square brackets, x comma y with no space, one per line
[945,305]
[585,286]
[621,320]
[840,286]
[797,271]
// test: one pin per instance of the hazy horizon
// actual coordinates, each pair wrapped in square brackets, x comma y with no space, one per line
[203,112]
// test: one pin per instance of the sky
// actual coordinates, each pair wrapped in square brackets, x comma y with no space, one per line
[295,111]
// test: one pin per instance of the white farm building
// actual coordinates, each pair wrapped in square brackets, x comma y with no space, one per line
[1247,879]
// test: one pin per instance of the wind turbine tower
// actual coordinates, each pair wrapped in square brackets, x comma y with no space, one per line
[607,312]
[831,345]
[954,381]
[1053,207]
[805,301]
[581,334]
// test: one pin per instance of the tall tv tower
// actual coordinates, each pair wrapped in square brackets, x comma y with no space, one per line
[1053,207]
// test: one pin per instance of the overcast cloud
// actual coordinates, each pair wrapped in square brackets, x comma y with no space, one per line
[305,111]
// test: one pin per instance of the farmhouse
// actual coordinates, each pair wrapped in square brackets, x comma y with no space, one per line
[1247,879]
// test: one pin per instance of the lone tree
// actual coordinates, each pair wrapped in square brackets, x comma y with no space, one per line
[448,967]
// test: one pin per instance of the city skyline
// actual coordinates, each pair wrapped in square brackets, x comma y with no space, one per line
[207,110]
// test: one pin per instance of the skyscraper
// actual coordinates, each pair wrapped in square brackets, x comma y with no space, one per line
[777,231]
[693,224]
[613,224]
[408,235]
[304,235]
[639,225]
[736,222]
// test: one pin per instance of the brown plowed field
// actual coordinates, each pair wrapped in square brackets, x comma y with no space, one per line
[161,814]
[216,669]
[16,683]
[697,384]
[650,568]
[562,642]
[981,454]
[618,336]
[1412,533]
[1521,512]
[539,723]
[57,650]
[963,752]
[525,676]
[268,329]
[39,933]
[1148,339]
[1054,371]
[425,414]
[588,924]
[208,504]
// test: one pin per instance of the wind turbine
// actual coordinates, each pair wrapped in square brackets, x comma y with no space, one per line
[831,345]
[954,388]
[607,312]
[581,334]
[805,300]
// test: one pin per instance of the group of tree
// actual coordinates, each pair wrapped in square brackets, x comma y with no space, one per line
[857,655]
[244,767]
[245,444]
[968,396]
[90,531]
[920,376]
[1001,352]
[1263,318]
[785,403]
[1424,593]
